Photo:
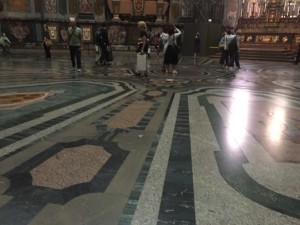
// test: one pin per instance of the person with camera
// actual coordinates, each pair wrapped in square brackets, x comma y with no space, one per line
[171,49]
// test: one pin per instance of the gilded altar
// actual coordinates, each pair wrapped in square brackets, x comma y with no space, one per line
[275,25]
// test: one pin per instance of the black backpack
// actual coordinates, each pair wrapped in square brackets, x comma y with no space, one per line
[99,37]
[232,45]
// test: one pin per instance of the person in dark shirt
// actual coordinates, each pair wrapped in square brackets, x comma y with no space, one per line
[298,56]
[47,46]
[196,44]
[104,45]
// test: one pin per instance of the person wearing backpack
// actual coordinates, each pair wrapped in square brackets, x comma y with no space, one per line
[232,43]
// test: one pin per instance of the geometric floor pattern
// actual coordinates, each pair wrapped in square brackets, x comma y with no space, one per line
[104,146]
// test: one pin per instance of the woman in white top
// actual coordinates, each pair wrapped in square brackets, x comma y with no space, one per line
[170,50]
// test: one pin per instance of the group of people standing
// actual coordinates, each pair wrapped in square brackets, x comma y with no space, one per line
[230,45]
[165,42]
[75,42]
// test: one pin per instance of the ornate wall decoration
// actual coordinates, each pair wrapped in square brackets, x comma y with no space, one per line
[52,29]
[267,39]
[138,6]
[86,33]
[117,34]
[86,6]
[64,34]
[19,31]
[18,6]
[50,6]
[99,7]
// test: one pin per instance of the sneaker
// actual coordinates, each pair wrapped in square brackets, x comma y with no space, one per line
[174,72]
[78,70]
[74,69]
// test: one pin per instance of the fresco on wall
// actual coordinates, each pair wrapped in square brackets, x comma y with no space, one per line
[117,34]
[19,31]
[86,6]
[18,6]
[50,6]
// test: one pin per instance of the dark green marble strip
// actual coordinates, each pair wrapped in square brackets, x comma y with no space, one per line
[28,199]
[35,129]
[177,203]
[230,164]
[128,212]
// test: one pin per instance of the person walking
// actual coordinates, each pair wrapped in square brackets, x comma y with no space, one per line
[47,44]
[171,49]
[5,43]
[196,45]
[75,44]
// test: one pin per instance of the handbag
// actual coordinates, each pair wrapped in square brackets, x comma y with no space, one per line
[221,45]
[48,42]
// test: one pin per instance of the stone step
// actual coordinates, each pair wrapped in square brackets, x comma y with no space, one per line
[282,55]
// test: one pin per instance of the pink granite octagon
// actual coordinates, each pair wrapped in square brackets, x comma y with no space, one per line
[70,166]
[129,116]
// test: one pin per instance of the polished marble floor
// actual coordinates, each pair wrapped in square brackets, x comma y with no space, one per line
[206,146]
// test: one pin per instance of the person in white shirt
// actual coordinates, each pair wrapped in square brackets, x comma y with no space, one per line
[171,49]
[232,44]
